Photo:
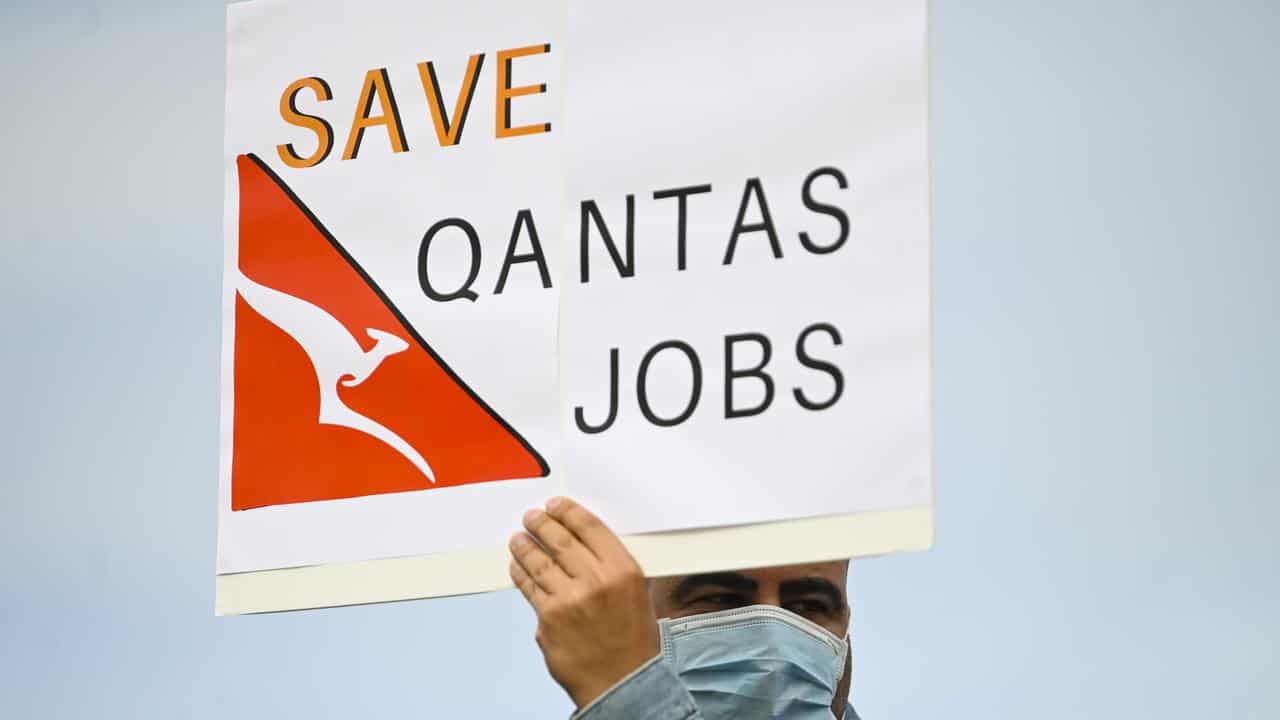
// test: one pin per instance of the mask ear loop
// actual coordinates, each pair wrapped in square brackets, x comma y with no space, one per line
[846,660]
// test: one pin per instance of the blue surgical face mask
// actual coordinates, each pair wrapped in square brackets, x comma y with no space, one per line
[755,662]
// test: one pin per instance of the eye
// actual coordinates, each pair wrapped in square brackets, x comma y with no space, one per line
[808,606]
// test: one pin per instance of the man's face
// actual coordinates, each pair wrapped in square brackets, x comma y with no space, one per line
[815,591]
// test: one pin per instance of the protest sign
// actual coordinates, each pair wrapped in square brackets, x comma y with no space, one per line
[671,260]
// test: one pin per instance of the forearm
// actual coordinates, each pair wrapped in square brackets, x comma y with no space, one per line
[652,692]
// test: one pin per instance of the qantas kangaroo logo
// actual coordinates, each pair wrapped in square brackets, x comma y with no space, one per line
[336,357]
[336,395]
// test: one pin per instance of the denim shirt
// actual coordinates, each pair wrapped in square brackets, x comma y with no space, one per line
[652,692]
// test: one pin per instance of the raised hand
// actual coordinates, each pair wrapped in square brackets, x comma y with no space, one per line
[596,623]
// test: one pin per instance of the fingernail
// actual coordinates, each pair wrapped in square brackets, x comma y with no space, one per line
[519,540]
[555,503]
[531,515]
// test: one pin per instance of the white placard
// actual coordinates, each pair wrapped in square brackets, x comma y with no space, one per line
[445,222]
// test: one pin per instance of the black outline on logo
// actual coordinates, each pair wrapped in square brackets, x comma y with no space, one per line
[542,463]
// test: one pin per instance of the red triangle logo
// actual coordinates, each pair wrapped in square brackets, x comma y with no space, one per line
[336,395]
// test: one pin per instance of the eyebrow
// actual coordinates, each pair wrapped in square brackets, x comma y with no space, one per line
[813,585]
[727,580]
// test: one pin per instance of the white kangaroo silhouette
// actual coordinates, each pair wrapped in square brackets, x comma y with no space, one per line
[336,358]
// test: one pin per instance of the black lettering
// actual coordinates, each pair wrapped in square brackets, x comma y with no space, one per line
[821,365]
[825,209]
[581,420]
[524,218]
[642,379]
[681,194]
[627,267]
[423,279]
[753,188]
[732,373]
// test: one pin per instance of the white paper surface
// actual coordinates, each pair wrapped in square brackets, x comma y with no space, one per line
[674,94]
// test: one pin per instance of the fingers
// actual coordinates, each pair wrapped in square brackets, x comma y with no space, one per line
[565,542]
[537,564]
[588,528]
[525,584]
[564,547]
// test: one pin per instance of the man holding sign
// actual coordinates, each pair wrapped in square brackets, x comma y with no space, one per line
[764,643]
[677,266]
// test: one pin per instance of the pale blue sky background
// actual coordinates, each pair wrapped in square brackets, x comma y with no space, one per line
[1108,452]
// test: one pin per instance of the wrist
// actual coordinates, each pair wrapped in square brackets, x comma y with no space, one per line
[592,693]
